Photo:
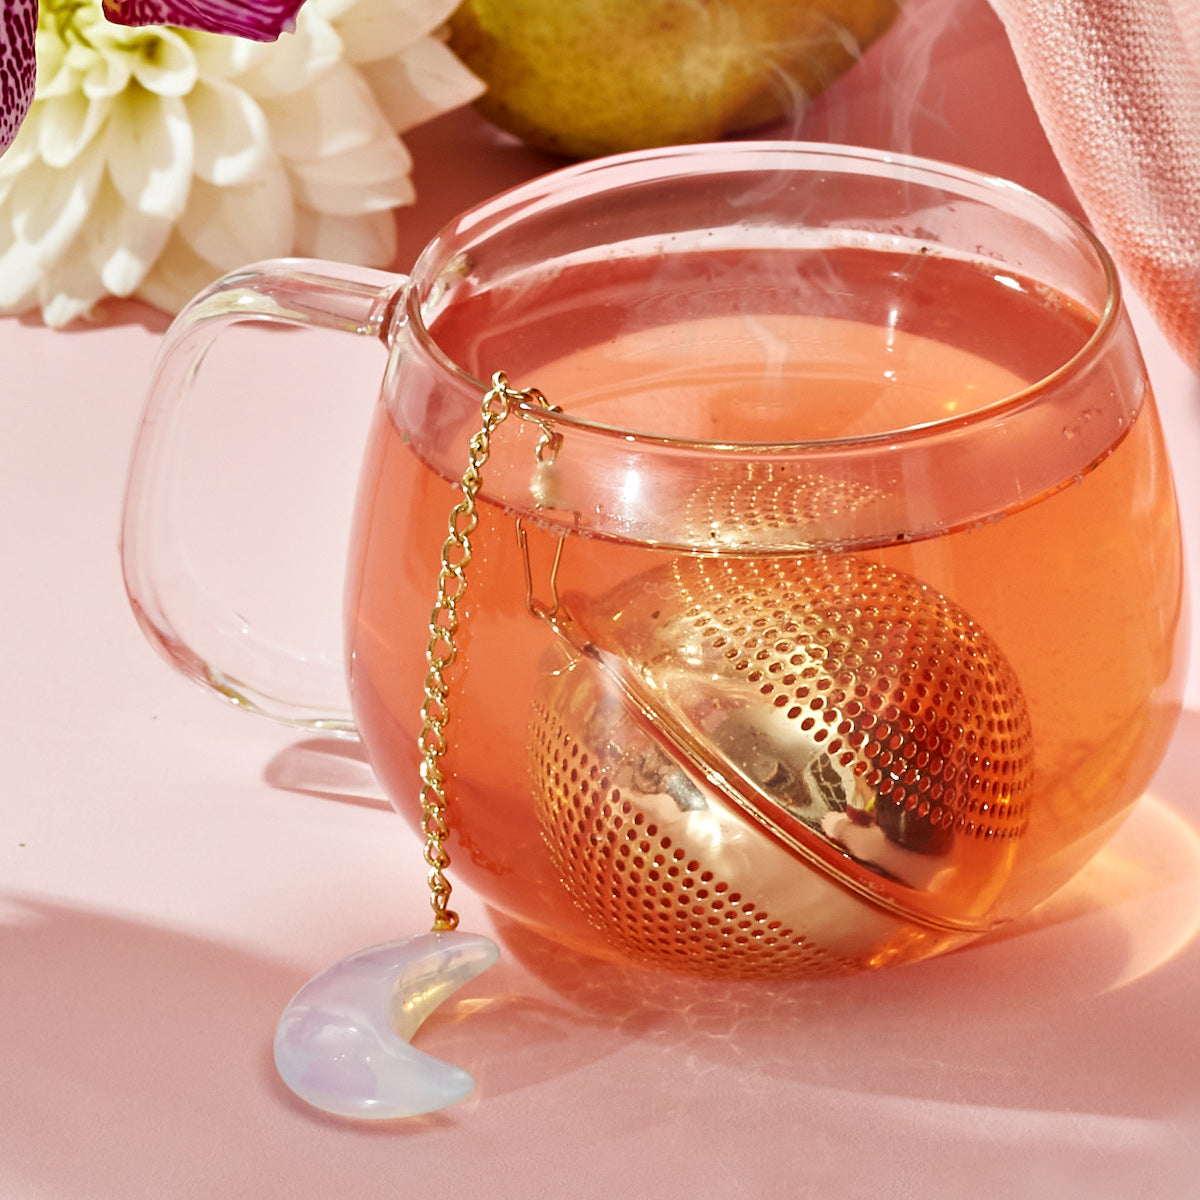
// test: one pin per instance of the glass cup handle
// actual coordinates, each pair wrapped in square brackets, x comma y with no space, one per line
[197,632]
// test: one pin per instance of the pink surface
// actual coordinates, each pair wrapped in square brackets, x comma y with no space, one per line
[171,871]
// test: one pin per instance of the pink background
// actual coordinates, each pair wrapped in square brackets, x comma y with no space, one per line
[172,870]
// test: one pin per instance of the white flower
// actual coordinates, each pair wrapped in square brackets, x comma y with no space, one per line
[153,160]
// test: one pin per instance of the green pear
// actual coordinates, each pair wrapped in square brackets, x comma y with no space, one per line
[589,77]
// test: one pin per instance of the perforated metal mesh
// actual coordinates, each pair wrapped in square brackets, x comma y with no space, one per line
[773,505]
[827,698]
[652,858]
[914,708]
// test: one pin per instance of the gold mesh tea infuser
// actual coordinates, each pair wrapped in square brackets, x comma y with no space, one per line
[790,766]
[795,766]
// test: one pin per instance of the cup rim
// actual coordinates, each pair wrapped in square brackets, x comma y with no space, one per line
[551,183]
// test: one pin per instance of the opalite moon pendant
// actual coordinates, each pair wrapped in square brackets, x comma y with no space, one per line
[343,1043]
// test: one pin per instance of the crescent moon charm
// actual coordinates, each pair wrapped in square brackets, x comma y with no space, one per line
[342,1043]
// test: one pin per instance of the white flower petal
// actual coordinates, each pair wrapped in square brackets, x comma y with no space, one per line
[79,56]
[235,225]
[369,240]
[150,152]
[163,62]
[366,179]
[46,207]
[107,75]
[332,116]
[60,80]
[376,29]
[121,243]
[232,140]
[225,57]
[425,81]
[63,307]
[20,272]
[59,63]
[51,53]
[152,159]
[177,276]
[66,124]
[334,10]
[70,291]
[298,61]
[24,151]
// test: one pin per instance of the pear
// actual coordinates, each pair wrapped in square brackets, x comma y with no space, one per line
[582,78]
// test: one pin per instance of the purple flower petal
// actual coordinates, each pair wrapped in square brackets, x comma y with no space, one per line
[18,69]
[258,20]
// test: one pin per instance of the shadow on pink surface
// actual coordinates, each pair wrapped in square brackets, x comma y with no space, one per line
[1080,1007]
[137,1060]
[328,768]
[1077,1007]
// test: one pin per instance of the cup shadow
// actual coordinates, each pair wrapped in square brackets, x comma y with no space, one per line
[131,1053]
[1080,1008]
[328,768]
[1077,1007]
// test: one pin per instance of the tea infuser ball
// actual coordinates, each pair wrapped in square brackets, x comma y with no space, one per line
[794,766]
[666,866]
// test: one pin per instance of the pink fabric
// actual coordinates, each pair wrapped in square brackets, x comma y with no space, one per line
[1116,84]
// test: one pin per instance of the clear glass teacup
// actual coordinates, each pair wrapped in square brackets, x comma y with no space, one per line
[814,599]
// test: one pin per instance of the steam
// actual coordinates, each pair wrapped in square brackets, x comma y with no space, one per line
[908,73]
[894,95]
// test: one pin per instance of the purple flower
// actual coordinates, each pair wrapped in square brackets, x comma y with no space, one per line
[18,70]
[258,20]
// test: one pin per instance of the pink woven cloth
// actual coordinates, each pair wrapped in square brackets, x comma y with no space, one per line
[1116,84]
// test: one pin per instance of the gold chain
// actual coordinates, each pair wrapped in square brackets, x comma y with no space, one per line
[441,651]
